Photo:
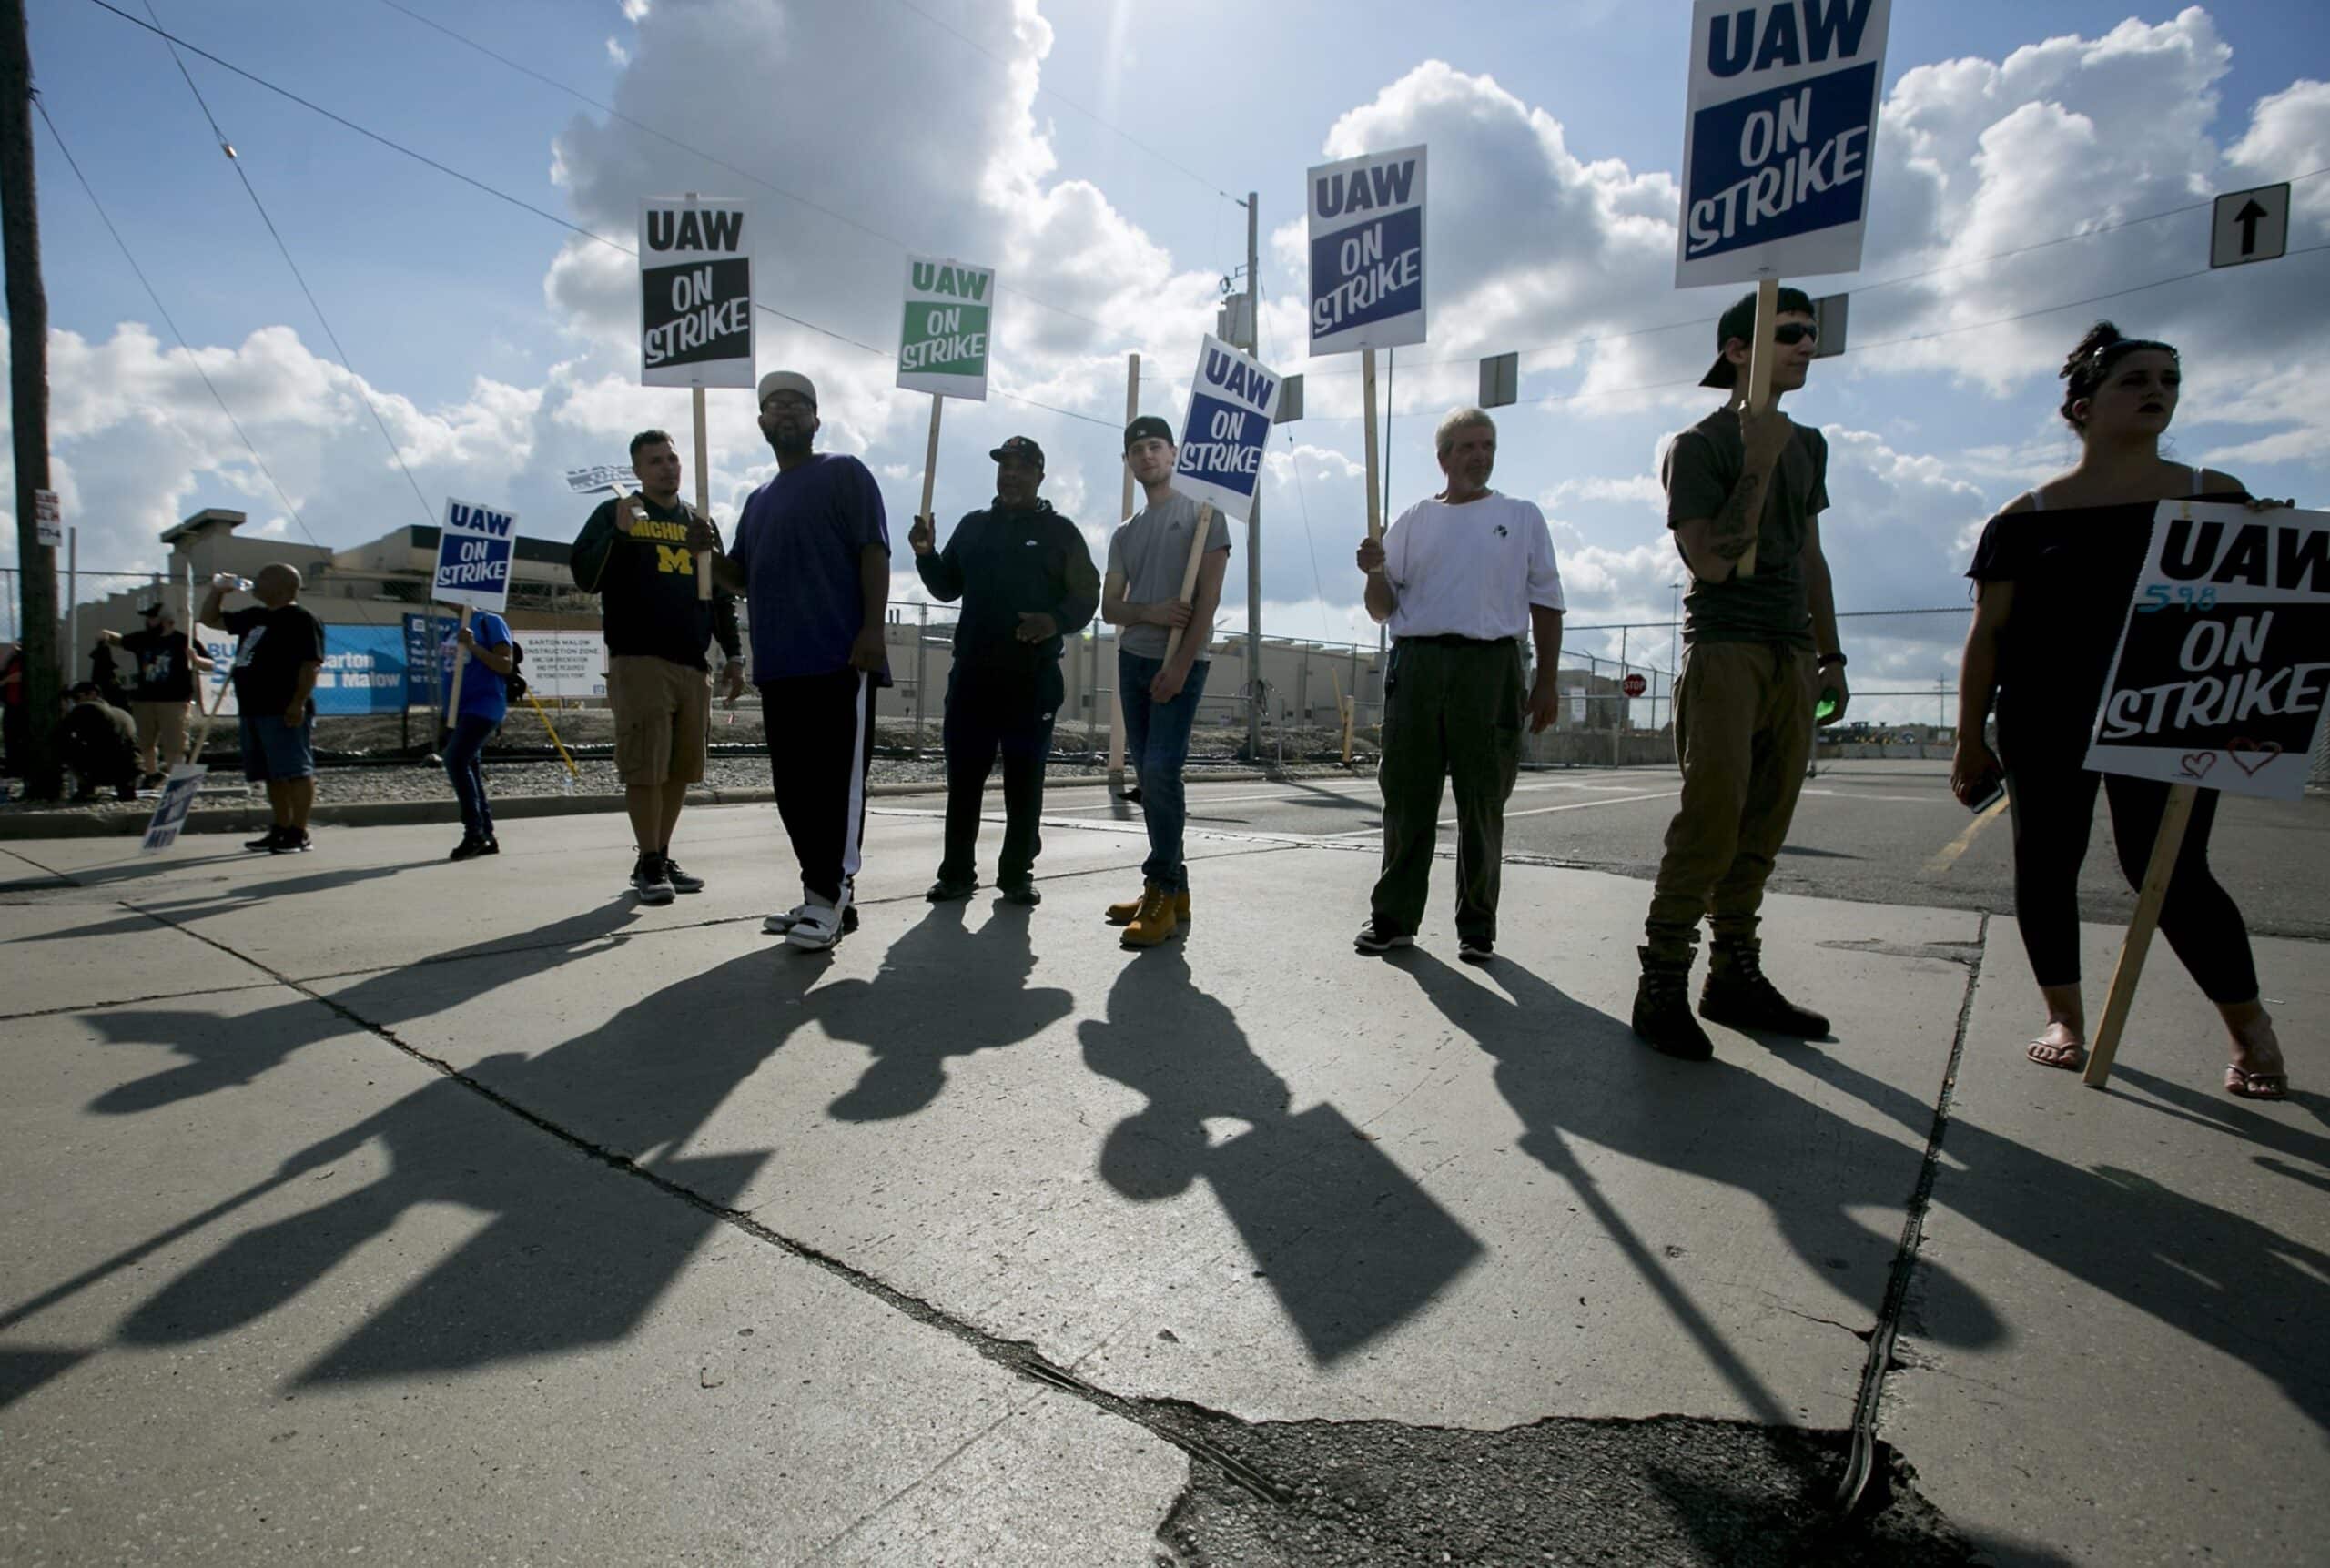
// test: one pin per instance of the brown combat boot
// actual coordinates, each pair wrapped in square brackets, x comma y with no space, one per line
[1157,920]
[1123,914]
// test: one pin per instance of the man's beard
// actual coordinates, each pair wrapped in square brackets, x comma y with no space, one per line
[790,444]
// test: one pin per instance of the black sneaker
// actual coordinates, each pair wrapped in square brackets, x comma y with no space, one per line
[491,845]
[1476,950]
[647,880]
[947,891]
[467,849]
[1377,937]
[680,880]
[264,842]
[1738,993]
[1663,1018]
[291,841]
[1022,892]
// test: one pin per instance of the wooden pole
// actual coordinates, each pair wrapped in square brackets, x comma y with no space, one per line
[1367,409]
[1757,395]
[27,303]
[930,460]
[572,770]
[1124,509]
[703,496]
[1189,580]
[2165,846]
[461,663]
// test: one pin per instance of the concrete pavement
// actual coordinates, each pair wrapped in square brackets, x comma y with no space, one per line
[981,1240]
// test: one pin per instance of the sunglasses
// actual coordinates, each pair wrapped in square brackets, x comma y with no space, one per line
[1793,332]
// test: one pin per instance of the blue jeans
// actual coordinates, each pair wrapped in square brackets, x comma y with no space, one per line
[469,778]
[1157,742]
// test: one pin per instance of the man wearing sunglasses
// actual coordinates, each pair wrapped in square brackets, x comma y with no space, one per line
[1753,643]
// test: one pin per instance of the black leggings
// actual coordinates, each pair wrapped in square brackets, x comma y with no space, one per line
[2053,801]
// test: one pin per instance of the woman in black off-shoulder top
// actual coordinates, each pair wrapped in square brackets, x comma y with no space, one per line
[2053,575]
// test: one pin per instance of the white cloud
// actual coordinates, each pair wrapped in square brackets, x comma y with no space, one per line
[618,54]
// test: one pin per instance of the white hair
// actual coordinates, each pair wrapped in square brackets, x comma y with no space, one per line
[1462,419]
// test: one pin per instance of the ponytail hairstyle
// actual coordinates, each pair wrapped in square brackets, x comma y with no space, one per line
[2089,365]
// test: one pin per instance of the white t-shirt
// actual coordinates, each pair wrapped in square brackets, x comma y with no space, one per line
[1472,570]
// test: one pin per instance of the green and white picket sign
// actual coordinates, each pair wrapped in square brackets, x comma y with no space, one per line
[943,339]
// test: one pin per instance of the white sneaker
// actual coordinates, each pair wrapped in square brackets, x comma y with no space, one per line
[821,924]
[779,923]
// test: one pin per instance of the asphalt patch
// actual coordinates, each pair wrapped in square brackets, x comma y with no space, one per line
[1671,1490]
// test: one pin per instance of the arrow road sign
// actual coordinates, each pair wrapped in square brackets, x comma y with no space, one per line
[2250,226]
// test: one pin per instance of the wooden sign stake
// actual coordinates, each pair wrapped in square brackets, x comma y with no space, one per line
[1189,578]
[2157,872]
[1757,395]
[461,663]
[1367,409]
[703,496]
[1116,698]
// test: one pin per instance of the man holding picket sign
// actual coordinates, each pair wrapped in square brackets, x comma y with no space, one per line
[813,558]
[1461,578]
[639,553]
[1027,583]
[278,653]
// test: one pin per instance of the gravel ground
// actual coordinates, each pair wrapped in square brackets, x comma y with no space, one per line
[359,758]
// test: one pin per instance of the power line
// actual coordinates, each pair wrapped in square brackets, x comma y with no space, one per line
[740,172]
[427,511]
[1165,159]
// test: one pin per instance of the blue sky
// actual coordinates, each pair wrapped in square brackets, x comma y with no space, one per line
[499,354]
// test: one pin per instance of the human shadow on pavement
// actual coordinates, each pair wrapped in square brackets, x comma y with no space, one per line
[2216,1276]
[1572,1072]
[943,991]
[570,1258]
[2221,1112]
[228,1051]
[1348,1241]
[223,900]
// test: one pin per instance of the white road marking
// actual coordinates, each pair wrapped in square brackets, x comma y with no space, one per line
[1577,805]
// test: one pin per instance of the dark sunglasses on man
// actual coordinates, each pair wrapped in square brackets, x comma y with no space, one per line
[1788,333]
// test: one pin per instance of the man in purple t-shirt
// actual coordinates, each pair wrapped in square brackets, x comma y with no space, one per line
[812,557]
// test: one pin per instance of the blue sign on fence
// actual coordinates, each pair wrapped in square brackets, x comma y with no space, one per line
[1781,137]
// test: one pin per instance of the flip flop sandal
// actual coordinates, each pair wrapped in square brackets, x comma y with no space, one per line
[2070,1063]
[2256,1085]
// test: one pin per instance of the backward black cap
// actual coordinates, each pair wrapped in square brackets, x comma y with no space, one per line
[1148,424]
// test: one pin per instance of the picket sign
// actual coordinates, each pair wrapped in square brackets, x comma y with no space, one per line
[591,480]
[2232,607]
[185,782]
[461,666]
[945,332]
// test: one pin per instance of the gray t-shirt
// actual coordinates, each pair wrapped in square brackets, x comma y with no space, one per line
[1152,551]
[1702,465]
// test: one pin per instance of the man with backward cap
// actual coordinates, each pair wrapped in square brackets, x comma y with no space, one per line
[1027,583]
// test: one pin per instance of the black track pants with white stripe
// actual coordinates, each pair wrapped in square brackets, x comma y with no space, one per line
[820,742]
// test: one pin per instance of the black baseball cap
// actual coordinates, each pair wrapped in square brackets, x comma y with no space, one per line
[84,689]
[1021,447]
[1739,322]
[154,610]
[1148,424]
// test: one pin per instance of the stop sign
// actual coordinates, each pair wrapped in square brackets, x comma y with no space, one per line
[1637,685]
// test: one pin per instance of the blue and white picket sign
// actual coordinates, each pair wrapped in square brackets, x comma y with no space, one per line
[169,813]
[1366,252]
[474,550]
[1780,138]
[1232,401]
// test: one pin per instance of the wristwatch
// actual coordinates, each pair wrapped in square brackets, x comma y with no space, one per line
[1828,659]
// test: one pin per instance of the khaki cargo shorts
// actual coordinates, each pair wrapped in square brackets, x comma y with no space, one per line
[663,719]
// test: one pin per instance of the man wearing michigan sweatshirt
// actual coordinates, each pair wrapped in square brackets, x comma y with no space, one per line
[1027,583]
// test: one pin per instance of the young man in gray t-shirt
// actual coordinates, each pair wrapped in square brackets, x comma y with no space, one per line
[1160,677]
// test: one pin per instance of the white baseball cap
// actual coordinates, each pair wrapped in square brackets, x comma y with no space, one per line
[777,382]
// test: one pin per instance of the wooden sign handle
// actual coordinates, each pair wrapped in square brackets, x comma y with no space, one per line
[1189,575]
[703,497]
[1757,395]
[930,460]
[1367,411]
[461,663]
[2165,846]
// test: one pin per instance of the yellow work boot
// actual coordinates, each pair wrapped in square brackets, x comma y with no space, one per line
[1157,920]
[1123,914]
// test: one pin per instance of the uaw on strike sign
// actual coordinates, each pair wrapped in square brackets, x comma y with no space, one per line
[1366,227]
[474,550]
[2225,663]
[1782,131]
[942,347]
[696,293]
[1232,400]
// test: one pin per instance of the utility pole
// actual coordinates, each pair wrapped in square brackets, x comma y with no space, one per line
[1257,692]
[28,398]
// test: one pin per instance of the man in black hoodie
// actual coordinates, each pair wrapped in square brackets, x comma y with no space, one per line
[1027,582]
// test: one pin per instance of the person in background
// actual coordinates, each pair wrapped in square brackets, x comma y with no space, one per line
[166,661]
[2053,576]
[106,672]
[278,653]
[484,703]
[99,743]
[1027,583]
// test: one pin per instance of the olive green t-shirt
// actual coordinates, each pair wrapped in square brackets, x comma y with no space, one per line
[1702,465]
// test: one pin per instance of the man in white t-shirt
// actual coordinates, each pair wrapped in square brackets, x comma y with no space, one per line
[1459,578]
